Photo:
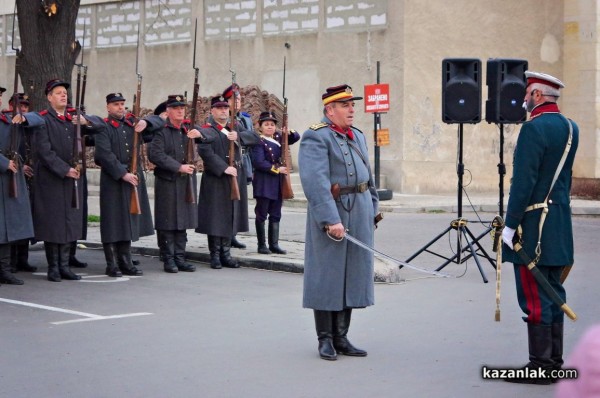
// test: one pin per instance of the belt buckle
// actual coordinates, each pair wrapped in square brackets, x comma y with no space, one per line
[362,187]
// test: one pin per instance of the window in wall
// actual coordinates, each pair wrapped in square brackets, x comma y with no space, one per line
[117,24]
[290,16]
[167,21]
[362,14]
[226,18]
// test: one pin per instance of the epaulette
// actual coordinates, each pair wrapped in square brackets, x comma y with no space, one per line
[317,126]
[245,114]
[44,112]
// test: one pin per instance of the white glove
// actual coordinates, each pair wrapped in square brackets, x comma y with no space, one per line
[507,236]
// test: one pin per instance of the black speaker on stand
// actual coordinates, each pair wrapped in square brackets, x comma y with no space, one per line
[506,90]
[461,103]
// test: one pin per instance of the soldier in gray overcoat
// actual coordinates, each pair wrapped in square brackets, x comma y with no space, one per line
[336,179]
[15,209]
[172,213]
[114,152]
[56,221]
[219,217]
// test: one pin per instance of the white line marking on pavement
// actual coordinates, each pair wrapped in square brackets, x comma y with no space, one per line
[87,316]
[101,318]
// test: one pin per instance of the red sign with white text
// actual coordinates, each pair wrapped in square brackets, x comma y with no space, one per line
[377,98]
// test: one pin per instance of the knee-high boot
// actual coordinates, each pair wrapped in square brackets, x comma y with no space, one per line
[180,243]
[110,253]
[52,256]
[214,247]
[540,353]
[64,251]
[225,254]
[341,324]
[73,262]
[274,238]
[168,249]
[19,257]
[557,346]
[324,326]
[5,275]
[260,237]
[124,259]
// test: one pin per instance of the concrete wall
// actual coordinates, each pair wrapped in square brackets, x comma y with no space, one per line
[329,42]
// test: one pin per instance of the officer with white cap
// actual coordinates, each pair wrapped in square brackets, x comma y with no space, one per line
[540,187]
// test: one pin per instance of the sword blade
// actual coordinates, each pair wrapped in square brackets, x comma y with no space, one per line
[403,263]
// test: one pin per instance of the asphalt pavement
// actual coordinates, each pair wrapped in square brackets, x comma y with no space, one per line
[243,332]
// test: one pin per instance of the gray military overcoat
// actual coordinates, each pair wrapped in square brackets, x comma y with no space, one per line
[218,215]
[55,220]
[167,152]
[113,154]
[337,275]
[15,212]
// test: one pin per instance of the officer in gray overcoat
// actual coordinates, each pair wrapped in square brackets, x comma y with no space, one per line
[15,208]
[337,181]
[114,152]
[173,215]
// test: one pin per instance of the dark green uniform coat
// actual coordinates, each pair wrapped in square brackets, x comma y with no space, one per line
[540,146]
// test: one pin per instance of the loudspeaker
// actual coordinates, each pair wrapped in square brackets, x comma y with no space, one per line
[461,90]
[506,90]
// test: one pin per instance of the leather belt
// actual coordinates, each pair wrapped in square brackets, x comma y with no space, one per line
[359,188]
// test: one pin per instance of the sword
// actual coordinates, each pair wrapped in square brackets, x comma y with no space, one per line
[540,278]
[380,254]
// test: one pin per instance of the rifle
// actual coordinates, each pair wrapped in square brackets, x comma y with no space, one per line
[235,189]
[134,202]
[78,146]
[286,158]
[13,154]
[190,197]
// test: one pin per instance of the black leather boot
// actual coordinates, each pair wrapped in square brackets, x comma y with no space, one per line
[73,262]
[214,247]
[540,355]
[260,237]
[225,254]
[557,346]
[274,238]
[124,259]
[324,326]
[110,253]
[236,243]
[341,324]
[52,256]
[64,251]
[180,243]
[5,275]
[168,252]
[159,242]
[22,256]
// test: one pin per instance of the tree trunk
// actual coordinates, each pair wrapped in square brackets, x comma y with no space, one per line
[48,46]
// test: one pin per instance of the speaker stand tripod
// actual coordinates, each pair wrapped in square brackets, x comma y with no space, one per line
[467,244]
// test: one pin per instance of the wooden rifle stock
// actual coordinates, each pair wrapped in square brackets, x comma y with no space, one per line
[134,202]
[235,188]
[286,159]
[13,190]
